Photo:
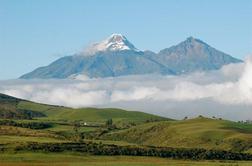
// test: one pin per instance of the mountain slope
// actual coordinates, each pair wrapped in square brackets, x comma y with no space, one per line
[116,56]
[192,133]
[193,55]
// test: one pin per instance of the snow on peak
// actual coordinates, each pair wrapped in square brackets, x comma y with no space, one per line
[115,42]
[116,38]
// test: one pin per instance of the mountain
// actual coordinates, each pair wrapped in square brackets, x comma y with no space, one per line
[112,57]
[193,55]
[117,56]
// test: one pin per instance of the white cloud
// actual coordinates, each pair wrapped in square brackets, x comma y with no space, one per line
[227,88]
[135,93]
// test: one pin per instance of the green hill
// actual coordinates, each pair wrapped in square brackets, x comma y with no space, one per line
[25,117]
[193,133]
[45,112]
[89,114]
[9,109]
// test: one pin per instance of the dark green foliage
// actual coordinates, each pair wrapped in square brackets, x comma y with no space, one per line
[238,145]
[30,125]
[243,127]
[6,98]
[105,149]
[9,109]
[19,114]
[109,122]
[77,136]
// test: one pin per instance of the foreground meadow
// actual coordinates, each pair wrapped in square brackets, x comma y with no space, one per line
[39,134]
[78,159]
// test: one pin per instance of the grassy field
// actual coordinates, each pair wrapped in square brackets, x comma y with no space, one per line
[77,159]
[14,108]
[193,133]
[62,128]
[7,139]
[88,114]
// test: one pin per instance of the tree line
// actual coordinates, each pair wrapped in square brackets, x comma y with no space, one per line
[167,152]
[30,125]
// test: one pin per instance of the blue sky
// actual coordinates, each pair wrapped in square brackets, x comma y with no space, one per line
[33,33]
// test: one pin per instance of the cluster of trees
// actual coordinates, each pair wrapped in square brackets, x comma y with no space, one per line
[9,109]
[104,149]
[31,125]
[109,125]
[152,120]
[13,113]
[201,116]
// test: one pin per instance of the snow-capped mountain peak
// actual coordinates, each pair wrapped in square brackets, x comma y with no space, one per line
[115,42]
[116,56]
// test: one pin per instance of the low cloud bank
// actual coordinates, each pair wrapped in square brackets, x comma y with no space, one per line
[229,88]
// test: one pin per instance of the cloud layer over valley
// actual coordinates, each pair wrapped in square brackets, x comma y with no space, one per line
[226,93]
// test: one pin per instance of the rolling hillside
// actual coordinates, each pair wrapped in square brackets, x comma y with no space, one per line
[49,112]
[58,124]
[9,109]
[60,131]
[193,133]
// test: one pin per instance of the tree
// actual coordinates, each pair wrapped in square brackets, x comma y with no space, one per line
[77,135]
[109,122]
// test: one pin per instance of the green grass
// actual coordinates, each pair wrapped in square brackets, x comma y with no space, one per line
[7,139]
[88,114]
[60,127]
[240,127]
[16,132]
[109,142]
[77,159]
[193,133]
[21,109]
